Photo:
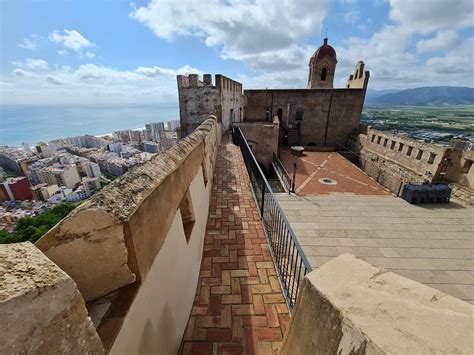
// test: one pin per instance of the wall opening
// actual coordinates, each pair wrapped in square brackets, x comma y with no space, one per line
[385,142]
[431,158]
[187,215]
[324,73]
[299,114]
[467,166]
[409,150]
[280,114]
[392,145]
[400,147]
[373,137]
[204,173]
[419,155]
[379,139]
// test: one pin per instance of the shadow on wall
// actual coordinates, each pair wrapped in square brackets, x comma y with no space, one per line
[163,338]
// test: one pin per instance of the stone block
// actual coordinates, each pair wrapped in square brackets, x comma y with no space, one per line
[351,307]
[41,308]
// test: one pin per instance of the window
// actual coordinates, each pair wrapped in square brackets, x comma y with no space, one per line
[400,147]
[431,158]
[379,139]
[409,150]
[419,155]
[373,137]
[204,173]
[187,215]
[299,114]
[385,142]
[267,114]
[392,145]
[467,166]
[324,73]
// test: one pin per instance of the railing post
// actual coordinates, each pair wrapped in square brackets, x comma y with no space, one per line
[294,177]
[263,198]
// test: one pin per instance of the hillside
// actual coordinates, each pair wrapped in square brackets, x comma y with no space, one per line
[427,96]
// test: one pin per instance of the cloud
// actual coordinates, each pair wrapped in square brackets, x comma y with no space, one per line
[53,80]
[62,52]
[32,64]
[238,29]
[71,39]
[443,40]
[89,55]
[31,42]
[426,16]
[155,71]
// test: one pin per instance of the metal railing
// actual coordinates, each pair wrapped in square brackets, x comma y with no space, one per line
[290,262]
[282,173]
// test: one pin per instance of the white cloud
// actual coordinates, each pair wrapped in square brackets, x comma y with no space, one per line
[32,64]
[71,39]
[155,71]
[31,42]
[426,16]
[443,40]
[239,29]
[62,52]
[89,55]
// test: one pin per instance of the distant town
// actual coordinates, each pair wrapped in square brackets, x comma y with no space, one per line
[34,179]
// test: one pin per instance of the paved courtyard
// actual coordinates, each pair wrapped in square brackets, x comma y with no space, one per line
[431,244]
[239,306]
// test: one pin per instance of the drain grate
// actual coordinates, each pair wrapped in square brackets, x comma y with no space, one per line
[327,181]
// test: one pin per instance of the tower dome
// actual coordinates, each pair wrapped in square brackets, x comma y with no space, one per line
[322,67]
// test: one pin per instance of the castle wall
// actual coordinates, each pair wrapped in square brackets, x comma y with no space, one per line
[134,249]
[262,139]
[199,99]
[329,116]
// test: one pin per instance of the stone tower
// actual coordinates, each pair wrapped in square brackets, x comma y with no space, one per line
[322,67]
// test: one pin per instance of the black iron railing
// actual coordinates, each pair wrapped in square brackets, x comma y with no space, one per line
[290,262]
[282,173]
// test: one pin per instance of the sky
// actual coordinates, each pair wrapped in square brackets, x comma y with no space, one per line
[122,52]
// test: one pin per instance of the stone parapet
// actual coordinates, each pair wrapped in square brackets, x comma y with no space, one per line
[351,307]
[42,311]
[112,239]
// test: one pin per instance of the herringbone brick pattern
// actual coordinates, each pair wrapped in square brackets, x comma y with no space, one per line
[239,306]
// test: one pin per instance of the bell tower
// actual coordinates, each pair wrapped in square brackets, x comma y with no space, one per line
[322,67]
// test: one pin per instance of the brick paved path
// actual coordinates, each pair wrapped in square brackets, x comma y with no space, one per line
[239,307]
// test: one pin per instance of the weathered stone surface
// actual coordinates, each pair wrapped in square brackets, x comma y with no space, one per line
[112,239]
[263,139]
[41,309]
[350,307]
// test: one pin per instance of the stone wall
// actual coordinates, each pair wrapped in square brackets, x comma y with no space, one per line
[327,117]
[199,99]
[42,311]
[372,311]
[111,245]
[262,139]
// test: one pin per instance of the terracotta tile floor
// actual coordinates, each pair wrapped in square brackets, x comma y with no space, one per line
[317,165]
[239,307]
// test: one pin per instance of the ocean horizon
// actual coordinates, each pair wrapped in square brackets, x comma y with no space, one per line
[35,123]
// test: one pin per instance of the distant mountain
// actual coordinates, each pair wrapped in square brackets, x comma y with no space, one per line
[372,94]
[426,96]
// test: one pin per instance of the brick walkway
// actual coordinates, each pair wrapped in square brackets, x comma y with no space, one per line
[239,307]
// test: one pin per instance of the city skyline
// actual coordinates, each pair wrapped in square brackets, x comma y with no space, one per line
[121,52]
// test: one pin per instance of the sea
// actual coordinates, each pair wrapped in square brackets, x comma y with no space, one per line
[35,123]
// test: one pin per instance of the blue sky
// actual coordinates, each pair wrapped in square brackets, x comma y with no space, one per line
[122,52]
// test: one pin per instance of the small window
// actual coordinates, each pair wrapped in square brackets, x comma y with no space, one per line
[467,166]
[392,145]
[373,137]
[280,114]
[379,139]
[267,114]
[431,158]
[187,215]
[419,155]
[409,150]
[400,147]
[299,114]
[324,73]
[385,142]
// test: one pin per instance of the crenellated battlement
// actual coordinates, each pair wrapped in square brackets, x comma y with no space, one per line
[360,78]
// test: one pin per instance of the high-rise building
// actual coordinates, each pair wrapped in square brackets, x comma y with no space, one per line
[153,130]
[61,175]
[173,125]
[27,149]
[18,188]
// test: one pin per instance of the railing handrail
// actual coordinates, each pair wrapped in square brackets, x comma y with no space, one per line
[280,165]
[280,210]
